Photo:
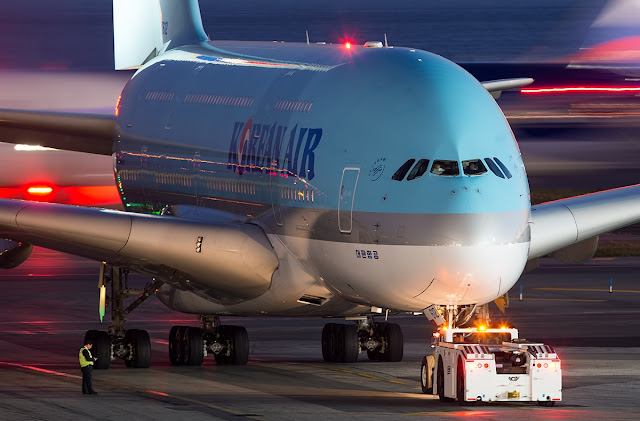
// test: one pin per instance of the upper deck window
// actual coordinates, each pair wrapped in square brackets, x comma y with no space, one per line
[419,169]
[446,168]
[402,171]
[473,167]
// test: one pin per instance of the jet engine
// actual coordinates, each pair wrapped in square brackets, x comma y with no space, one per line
[13,253]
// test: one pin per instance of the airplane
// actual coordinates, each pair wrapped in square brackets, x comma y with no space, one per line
[297,179]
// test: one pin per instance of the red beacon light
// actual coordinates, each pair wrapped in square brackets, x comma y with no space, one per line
[348,45]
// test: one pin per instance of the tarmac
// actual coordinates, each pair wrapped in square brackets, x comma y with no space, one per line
[51,300]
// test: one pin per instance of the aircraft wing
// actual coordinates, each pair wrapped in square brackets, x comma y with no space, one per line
[231,261]
[74,132]
[570,227]
[495,87]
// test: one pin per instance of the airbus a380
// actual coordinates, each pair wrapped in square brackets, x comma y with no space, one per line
[284,179]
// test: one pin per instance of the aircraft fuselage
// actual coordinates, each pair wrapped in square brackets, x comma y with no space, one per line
[305,140]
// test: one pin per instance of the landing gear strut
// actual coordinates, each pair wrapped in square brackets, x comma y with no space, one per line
[343,343]
[133,345]
[189,345]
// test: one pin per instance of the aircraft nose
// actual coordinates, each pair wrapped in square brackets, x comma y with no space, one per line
[473,274]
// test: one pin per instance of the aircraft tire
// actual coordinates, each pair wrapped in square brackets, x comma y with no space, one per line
[349,343]
[141,345]
[240,345]
[395,342]
[101,348]
[194,347]
[328,342]
[174,346]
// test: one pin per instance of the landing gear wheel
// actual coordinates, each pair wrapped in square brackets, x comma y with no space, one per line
[101,348]
[193,346]
[328,342]
[175,345]
[140,344]
[238,341]
[346,343]
[460,386]
[426,378]
[240,345]
[395,342]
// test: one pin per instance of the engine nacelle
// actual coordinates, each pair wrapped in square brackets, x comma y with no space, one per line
[13,253]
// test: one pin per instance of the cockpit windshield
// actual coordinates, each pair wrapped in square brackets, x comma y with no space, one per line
[445,168]
[473,167]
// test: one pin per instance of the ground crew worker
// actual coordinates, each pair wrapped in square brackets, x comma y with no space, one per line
[86,365]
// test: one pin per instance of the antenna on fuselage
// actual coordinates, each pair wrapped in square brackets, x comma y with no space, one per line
[307,37]
[386,45]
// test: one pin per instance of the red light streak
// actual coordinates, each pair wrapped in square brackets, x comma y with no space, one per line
[579,89]
[156,392]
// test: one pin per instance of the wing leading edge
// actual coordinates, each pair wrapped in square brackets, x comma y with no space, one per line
[577,221]
[73,132]
[495,87]
[230,261]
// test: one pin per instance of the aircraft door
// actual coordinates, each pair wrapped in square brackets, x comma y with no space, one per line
[345,200]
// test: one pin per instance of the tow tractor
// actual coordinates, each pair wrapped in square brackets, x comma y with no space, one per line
[482,364]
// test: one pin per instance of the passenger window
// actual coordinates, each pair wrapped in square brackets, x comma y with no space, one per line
[402,171]
[446,168]
[504,169]
[493,167]
[419,169]
[473,167]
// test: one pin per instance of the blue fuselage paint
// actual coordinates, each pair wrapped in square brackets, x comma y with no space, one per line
[295,134]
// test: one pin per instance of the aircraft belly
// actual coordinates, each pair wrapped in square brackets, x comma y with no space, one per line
[420,275]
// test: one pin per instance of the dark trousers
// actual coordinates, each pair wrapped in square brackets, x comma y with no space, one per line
[87,386]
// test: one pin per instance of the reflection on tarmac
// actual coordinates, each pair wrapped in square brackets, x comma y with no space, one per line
[51,300]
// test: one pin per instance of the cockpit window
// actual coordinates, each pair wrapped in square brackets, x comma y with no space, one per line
[502,166]
[446,168]
[473,167]
[493,167]
[402,171]
[419,169]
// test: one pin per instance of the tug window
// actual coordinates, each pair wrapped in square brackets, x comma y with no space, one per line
[402,171]
[502,166]
[493,167]
[446,168]
[473,167]
[418,170]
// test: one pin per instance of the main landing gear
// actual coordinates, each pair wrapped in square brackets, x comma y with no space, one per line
[133,345]
[343,343]
[189,345]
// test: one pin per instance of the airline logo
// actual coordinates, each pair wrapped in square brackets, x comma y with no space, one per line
[273,148]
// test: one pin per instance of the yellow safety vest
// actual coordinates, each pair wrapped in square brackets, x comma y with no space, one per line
[83,361]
